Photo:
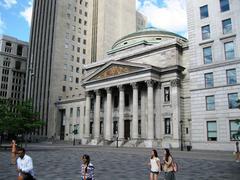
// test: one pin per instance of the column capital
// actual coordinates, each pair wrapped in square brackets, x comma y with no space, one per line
[149,83]
[134,85]
[97,92]
[87,93]
[176,83]
[159,85]
[121,87]
[108,89]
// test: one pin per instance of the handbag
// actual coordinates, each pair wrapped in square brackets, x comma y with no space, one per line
[174,166]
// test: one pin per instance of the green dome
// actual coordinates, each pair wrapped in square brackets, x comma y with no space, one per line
[148,36]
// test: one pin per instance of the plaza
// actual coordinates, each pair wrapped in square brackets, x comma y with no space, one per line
[62,162]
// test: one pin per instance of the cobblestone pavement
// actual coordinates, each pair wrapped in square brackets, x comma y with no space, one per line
[62,162]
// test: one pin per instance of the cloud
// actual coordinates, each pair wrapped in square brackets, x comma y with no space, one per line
[8,3]
[169,15]
[2,25]
[27,12]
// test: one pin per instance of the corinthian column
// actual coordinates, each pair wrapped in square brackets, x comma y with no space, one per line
[87,116]
[108,132]
[158,111]
[97,116]
[121,113]
[150,133]
[135,111]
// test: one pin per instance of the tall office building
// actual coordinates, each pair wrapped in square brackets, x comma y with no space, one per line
[214,43]
[13,64]
[65,35]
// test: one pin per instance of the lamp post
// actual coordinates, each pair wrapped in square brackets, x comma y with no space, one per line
[181,126]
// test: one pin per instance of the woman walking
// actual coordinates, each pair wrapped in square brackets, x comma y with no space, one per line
[14,152]
[168,165]
[155,165]
[87,168]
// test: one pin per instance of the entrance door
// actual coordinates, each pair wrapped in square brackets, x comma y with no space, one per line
[127,129]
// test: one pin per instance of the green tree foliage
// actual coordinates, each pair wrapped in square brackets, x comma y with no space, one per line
[19,119]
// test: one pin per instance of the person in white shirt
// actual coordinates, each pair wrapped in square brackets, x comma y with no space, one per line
[24,166]
[155,165]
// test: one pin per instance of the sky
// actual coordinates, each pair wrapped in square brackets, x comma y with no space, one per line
[170,15]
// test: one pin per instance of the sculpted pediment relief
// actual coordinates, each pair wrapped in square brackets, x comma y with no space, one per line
[115,70]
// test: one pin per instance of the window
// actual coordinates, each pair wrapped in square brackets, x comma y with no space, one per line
[72,58]
[18,65]
[224,5]
[83,61]
[77,69]
[139,127]
[227,26]
[77,80]
[101,127]
[210,103]
[232,100]
[204,11]
[126,99]
[65,78]
[229,50]
[91,128]
[64,88]
[115,127]
[19,50]
[116,99]
[211,131]
[166,94]
[205,32]
[234,130]
[78,111]
[167,126]
[65,66]
[71,68]
[231,76]
[71,78]
[207,55]
[208,80]
[84,51]
[71,112]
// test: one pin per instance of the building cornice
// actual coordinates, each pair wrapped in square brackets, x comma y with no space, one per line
[214,65]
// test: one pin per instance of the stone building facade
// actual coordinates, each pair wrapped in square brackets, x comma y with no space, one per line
[214,52]
[139,94]
[13,67]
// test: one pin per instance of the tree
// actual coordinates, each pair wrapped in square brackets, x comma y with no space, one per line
[18,119]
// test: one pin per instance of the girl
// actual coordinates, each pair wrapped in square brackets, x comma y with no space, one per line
[87,169]
[155,165]
[167,165]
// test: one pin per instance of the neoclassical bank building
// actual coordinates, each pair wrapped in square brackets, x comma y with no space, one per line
[138,95]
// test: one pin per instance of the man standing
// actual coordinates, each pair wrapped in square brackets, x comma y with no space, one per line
[24,166]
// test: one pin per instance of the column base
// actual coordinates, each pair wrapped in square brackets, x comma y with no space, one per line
[85,141]
[150,143]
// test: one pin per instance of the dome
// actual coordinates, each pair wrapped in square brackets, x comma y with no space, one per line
[148,36]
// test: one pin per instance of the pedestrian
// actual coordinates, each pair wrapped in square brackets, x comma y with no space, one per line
[87,168]
[154,165]
[24,166]
[13,152]
[237,152]
[168,165]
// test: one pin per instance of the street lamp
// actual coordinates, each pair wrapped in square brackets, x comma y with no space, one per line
[181,126]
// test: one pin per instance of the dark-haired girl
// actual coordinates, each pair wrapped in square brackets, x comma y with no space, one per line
[167,165]
[155,165]
[87,168]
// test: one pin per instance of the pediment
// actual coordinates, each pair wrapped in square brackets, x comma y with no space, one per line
[115,70]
